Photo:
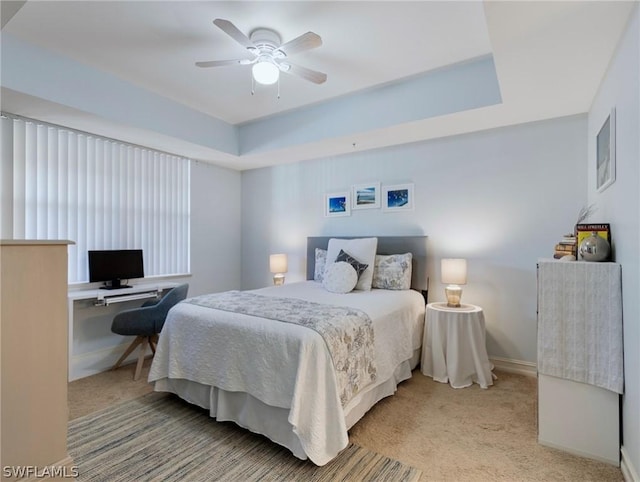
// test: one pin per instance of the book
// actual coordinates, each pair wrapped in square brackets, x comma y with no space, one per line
[557,255]
[565,248]
[568,242]
[584,230]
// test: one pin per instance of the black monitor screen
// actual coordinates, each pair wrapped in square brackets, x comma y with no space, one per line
[112,266]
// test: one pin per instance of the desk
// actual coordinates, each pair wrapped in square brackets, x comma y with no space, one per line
[102,297]
[454,346]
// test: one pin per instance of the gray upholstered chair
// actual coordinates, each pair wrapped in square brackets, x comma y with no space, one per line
[145,323]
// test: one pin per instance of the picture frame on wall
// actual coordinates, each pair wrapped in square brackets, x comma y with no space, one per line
[606,153]
[398,197]
[337,204]
[365,196]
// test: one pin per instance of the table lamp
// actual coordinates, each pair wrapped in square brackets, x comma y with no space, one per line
[278,266]
[453,272]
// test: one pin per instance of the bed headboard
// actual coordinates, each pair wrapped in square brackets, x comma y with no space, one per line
[417,245]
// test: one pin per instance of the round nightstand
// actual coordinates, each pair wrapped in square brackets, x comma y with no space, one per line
[454,346]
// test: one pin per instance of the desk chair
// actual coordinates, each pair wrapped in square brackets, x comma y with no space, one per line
[145,323]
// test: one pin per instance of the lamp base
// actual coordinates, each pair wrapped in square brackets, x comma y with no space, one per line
[454,293]
[278,279]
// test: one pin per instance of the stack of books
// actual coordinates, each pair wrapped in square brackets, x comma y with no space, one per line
[568,245]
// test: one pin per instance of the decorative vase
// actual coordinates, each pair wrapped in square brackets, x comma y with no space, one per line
[594,248]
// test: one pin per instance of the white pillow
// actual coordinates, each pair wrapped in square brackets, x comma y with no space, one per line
[392,272]
[341,277]
[321,259]
[363,249]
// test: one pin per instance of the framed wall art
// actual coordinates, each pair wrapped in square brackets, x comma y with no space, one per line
[398,197]
[606,153]
[337,204]
[365,196]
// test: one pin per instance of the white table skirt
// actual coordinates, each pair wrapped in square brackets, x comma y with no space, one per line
[454,346]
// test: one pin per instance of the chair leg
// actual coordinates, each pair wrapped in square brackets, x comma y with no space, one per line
[128,351]
[143,349]
[153,343]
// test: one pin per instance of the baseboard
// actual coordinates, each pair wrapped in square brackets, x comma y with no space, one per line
[519,367]
[99,361]
[629,472]
[579,453]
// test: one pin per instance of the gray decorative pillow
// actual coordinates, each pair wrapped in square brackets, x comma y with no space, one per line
[392,272]
[340,277]
[321,260]
[357,265]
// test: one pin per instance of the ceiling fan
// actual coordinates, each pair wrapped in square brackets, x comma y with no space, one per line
[269,56]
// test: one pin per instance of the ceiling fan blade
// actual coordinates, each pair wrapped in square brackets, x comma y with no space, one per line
[231,30]
[308,74]
[219,63]
[304,42]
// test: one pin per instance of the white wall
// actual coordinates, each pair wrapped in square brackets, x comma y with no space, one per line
[215,266]
[215,229]
[619,205]
[501,198]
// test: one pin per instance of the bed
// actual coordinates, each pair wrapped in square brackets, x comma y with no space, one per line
[282,379]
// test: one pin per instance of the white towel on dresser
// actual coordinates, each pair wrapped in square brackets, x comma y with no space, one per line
[580,322]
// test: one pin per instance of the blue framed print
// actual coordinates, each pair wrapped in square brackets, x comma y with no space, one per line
[398,197]
[337,204]
[365,196]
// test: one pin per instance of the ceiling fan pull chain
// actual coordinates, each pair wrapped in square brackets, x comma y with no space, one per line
[253,85]
[278,87]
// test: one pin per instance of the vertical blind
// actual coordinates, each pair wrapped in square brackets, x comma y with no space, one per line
[99,193]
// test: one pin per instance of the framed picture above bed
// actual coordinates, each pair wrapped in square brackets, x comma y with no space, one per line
[365,196]
[337,204]
[398,197]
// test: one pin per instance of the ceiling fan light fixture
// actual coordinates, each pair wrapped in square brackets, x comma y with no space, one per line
[265,72]
[269,54]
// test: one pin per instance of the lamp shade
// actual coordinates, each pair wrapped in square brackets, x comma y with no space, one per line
[278,263]
[265,72]
[453,271]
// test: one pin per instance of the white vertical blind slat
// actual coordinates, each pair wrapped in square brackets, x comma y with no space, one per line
[137,192]
[144,206]
[51,179]
[72,207]
[41,192]
[82,207]
[130,213]
[19,179]
[92,187]
[30,183]
[156,241]
[63,183]
[6,175]
[99,193]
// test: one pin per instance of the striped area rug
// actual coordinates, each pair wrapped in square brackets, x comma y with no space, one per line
[160,437]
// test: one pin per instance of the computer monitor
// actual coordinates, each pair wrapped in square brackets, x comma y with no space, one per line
[114,266]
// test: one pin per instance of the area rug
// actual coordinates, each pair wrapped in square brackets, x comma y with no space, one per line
[160,437]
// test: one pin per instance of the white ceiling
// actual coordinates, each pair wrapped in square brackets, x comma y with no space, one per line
[549,56]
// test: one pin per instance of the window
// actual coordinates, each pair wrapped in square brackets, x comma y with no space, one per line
[100,193]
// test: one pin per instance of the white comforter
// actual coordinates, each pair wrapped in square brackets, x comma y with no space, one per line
[282,364]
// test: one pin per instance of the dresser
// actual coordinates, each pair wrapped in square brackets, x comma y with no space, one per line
[580,364]
[33,357]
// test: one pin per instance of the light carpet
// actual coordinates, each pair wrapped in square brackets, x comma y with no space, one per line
[457,435]
[160,437]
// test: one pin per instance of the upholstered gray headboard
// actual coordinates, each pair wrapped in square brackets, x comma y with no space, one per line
[417,245]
